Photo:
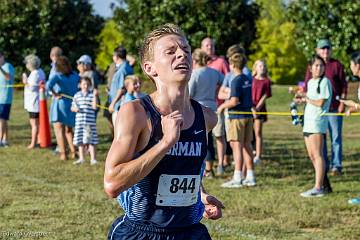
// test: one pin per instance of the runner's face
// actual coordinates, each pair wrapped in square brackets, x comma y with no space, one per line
[172,59]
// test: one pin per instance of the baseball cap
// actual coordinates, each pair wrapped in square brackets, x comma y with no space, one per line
[84,59]
[323,43]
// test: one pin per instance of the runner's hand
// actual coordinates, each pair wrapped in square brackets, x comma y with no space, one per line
[171,125]
[212,207]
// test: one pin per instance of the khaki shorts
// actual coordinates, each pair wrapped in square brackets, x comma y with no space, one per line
[219,129]
[240,130]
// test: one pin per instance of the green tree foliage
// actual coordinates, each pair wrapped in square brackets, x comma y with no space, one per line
[275,44]
[109,38]
[228,22]
[34,26]
[334,19]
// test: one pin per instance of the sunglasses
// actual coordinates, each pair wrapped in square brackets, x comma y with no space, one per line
[81,63]
[328,48]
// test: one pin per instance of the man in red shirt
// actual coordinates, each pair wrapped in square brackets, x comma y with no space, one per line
[216,62]
[219,64]
[334,71]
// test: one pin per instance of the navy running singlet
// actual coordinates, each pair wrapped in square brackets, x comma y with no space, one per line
[169,196]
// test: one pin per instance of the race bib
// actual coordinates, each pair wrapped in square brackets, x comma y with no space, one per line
[177,190]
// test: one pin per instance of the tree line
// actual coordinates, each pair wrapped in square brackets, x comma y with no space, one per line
[284,33]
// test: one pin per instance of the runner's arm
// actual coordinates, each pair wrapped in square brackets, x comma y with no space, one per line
[210,118]
[121,171]
[213,206]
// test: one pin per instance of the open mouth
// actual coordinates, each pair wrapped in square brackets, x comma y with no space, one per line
[182,66]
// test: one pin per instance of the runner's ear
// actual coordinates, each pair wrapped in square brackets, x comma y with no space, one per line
[149,69]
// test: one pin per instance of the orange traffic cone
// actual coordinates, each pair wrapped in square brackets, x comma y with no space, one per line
[44,128]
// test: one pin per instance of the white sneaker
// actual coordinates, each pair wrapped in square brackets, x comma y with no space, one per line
[93,162]
[313,193]
[232,184]
[80,161]
[257,160]
[250,182]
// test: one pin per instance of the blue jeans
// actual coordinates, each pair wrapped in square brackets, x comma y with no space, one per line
[335,131]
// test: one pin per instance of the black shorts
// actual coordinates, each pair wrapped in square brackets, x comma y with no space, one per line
[124,229]
[307,134]
[262,117]
[33,115]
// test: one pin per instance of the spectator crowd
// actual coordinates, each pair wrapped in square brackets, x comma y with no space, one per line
[227,85]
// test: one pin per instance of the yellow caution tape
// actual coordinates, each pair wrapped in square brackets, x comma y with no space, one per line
[232,112]
[20,85]
[70,97]
[289,113]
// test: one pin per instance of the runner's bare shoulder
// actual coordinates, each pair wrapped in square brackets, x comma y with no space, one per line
[210,118]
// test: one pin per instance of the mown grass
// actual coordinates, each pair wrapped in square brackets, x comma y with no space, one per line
[43,194]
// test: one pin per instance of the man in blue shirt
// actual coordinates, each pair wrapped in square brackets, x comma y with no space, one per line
[240,125]
[117,89]
[7,74]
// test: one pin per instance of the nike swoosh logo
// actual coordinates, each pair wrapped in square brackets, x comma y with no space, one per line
[196,132]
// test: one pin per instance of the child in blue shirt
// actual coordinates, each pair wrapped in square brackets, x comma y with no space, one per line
[240,131]
[132,86]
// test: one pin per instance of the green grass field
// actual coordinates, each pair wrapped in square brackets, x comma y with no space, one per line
[45,198]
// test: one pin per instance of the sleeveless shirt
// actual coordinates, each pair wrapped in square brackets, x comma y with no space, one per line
[169,196]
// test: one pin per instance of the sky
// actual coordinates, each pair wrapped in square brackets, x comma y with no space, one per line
[102,7]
